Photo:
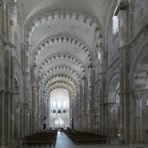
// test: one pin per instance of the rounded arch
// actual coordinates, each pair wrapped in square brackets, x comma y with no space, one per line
[61,82]
[62,69]
[61,56]
[47,15]
[54,87]
[142,52]
[60,77]
[62,38]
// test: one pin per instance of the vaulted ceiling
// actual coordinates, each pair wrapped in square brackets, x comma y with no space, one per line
[62,35]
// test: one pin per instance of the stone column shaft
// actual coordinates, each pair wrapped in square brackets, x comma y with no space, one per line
[124,77]
[7,95]
[91,97]
[2,117]
[84,102]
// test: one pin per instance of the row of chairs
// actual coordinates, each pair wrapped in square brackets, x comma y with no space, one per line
[87,138]
[39,139]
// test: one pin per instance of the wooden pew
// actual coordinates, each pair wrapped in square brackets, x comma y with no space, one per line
[87,138]
[39,139]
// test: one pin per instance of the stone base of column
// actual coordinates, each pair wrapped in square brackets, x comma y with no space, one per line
[85,122]
[91,120]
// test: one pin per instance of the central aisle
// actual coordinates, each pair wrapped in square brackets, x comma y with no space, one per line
[63,141]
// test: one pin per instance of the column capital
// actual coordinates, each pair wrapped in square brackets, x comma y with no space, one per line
[84,78]
[27,46]
[12,6]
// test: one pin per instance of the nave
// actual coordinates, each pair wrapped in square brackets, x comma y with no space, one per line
[74,64]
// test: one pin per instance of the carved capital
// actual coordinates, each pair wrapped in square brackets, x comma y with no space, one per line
[12,6]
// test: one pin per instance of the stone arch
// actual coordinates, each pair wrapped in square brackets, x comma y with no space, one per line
[61,82]
[62,69]
[54,87]
[62,38]
[61,76]
[61,79]
[40,18]
[64,56]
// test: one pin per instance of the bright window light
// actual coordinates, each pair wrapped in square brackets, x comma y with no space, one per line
[59,101]
[59,104]
[99,56]
[115,24]
[54,104]
[64,104]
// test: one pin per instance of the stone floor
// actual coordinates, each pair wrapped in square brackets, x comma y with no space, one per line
[64,142]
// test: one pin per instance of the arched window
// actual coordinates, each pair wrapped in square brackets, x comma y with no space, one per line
[54,104]
[99,56]
[59,104]
[115,24]
[64,104]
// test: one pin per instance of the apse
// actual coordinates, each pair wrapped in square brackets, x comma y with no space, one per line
[59,109]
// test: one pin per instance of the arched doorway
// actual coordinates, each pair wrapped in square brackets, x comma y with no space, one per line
[59,109]
[17,111]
